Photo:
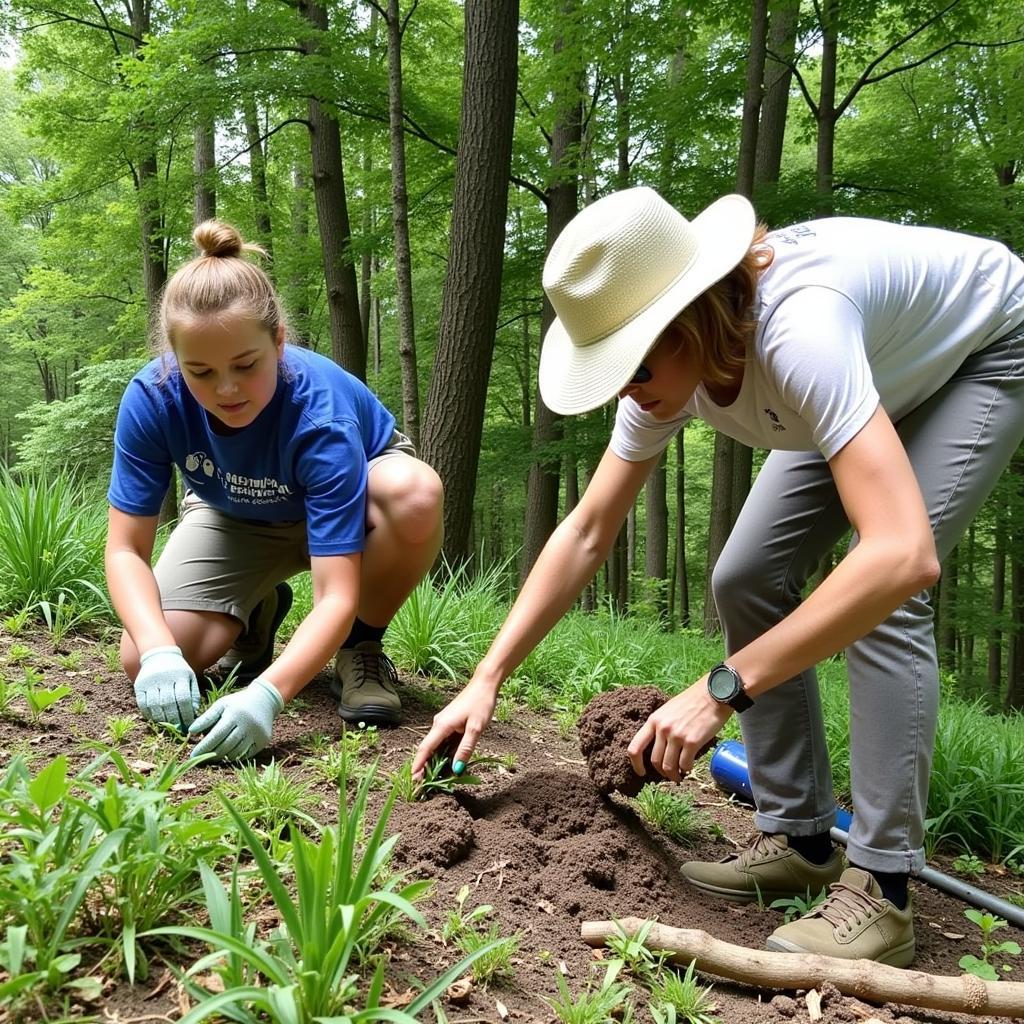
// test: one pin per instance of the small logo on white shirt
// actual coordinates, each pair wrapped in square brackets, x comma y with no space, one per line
[774,417]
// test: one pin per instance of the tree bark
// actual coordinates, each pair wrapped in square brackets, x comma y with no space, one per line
[562,193]
[258,174]
[347,346]
[682,583]
[720,522]
[825,157]
[879,983]
[752,98]
[656,534]
[995,635]
[778,74]
[298,285]
[453,422]
[400,222]
[204,165]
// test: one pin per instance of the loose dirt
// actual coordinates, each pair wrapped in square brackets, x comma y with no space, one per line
[537,842]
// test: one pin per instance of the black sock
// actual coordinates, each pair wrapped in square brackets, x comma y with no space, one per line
[361,631]
[893,885]
[817,848]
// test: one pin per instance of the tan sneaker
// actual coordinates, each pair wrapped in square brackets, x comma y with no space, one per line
[365,684]
[767,870]
[253,650]
[854,922]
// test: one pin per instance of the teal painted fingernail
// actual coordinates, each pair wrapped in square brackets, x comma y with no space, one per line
[459,767]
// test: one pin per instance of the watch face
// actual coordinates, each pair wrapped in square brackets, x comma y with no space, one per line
[723,684]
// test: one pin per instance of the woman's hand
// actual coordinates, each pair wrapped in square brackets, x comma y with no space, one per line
[466,716]
[681,729]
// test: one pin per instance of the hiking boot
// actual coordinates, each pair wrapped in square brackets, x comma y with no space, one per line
[253,650]
[854,922]
[365,684]
[767,870]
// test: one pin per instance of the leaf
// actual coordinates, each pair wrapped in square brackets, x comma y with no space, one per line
[50,785]
[458,992]
[953,935]
[501,1008]
[546,906]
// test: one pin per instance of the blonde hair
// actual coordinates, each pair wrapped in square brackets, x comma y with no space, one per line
[219,280]
[719,320]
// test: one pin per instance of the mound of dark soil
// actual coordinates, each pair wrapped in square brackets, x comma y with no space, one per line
[434,834]
[606,727]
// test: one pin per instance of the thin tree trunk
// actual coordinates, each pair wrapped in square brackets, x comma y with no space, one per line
[204,164]
[453,422]
[682,583]
[656,534]
[720,522]
[400,221]
[782,21]
[752,98]
[347,347]
[542,489]
[298,285]
[258,174]
[825,159]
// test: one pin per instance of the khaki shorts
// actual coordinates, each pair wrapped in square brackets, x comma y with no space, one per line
[217,563]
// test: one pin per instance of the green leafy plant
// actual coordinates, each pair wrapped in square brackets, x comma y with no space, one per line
[39,697]
[337,760]
[341,894]
[16,622]
[496,952]
[969,864]
[674,814]
[643,963]
[269,799]
[119,727]
[70,662]
[458,920]
[797,906]
[438,776]
[17,653]
[682,997]
[9,693]
[63,616]
[985,967]
[607,1003]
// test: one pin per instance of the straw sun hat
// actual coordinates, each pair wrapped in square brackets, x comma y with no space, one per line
[619,272]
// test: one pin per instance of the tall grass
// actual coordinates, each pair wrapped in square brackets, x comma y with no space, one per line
[51,546]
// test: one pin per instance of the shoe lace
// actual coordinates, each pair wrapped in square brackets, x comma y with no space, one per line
[846,905]
[374,667]
[762,846]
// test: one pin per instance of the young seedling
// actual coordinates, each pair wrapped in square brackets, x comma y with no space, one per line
[496,959]
[39,697]
[607,1004]
[682,998]
[643,963]
[797,906]
[70,662]
[18,653]
[119,726]
[9,692]
[969,864]
[458,922]
[438,777]
[15,623]
[671,812]
[984,967]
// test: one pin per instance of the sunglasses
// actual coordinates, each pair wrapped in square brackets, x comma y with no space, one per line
[642,375]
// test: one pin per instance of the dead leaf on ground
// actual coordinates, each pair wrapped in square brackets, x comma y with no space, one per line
[397,1000]
[546,905]
[953,935]
[501,1008]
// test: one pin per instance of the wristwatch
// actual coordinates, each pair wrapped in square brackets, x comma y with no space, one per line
[726,687]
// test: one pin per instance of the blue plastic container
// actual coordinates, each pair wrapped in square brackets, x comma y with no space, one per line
[729,770]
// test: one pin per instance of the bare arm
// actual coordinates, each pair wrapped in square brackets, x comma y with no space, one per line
[130,580]
[894,559]
[572,555]
[322,631]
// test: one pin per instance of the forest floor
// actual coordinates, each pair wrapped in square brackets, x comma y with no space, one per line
[535,841]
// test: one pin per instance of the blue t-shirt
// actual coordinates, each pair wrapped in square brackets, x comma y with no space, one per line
[304,457]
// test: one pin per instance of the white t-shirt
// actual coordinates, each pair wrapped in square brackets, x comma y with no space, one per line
[851,313]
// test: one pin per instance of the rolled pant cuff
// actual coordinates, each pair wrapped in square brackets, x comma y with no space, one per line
[894,861]
[795,826]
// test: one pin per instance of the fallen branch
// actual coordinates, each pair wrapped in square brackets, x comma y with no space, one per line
[862,978]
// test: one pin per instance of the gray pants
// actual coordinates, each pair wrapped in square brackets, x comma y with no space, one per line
[959,442]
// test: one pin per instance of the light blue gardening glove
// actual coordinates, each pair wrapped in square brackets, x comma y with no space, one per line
[240,724]
[166,689]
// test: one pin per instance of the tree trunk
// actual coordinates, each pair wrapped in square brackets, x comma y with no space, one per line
[366,260]
[453,422]
[995,635]
[656,535]
[1015,648]
[682,583]
[945,627]
[542,488]
[258,174]
[400,221]
[347,347]
[771,133]
[204,165]
[298,285]
[720,522]
[752,98]
[825,159]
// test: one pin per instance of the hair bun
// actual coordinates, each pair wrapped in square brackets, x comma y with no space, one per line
[215,238]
